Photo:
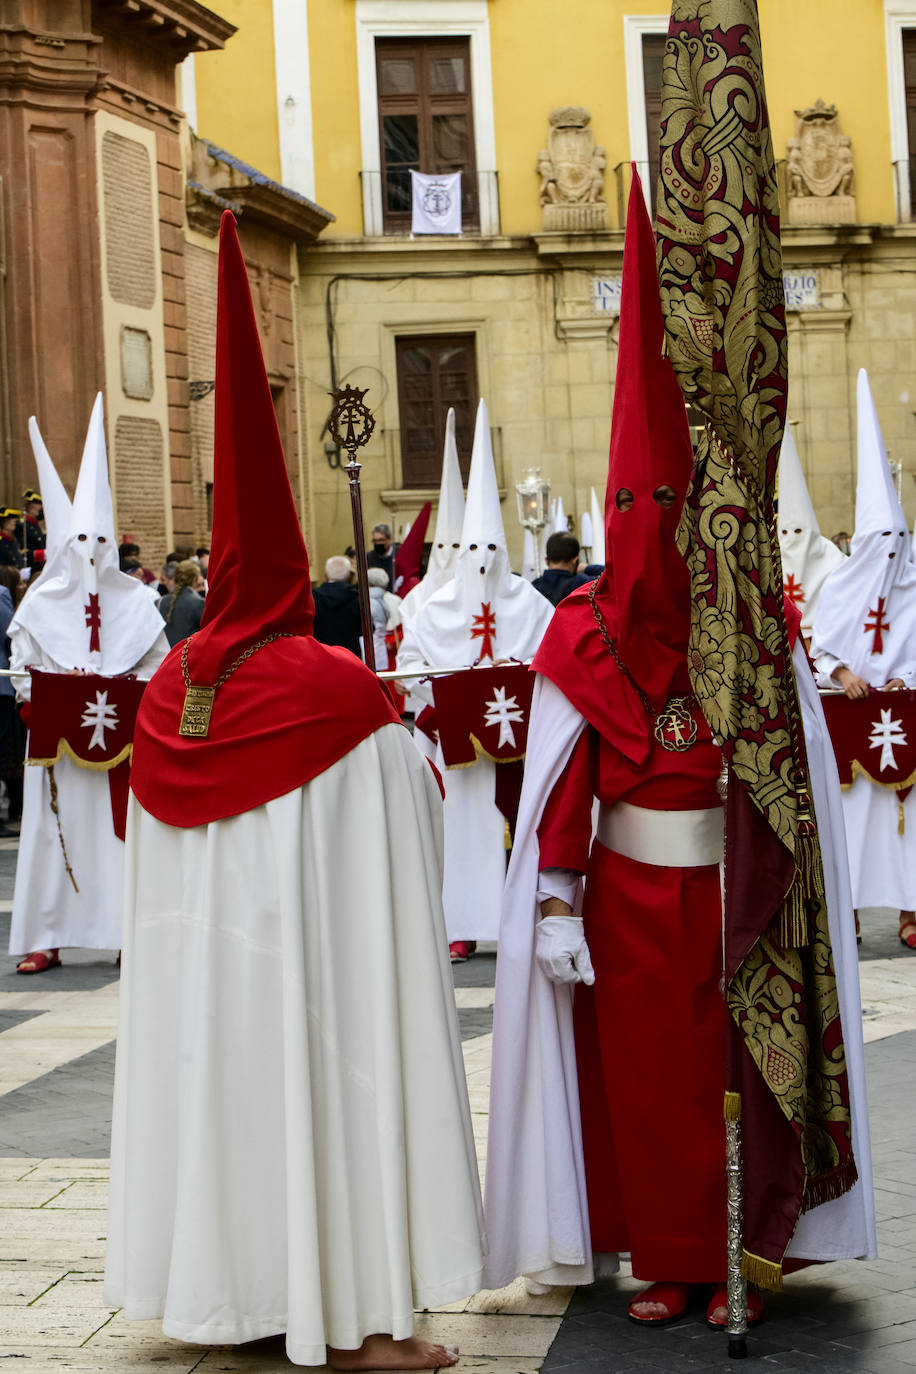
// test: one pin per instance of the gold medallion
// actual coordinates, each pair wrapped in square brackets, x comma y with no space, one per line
[198,708]
[675,727]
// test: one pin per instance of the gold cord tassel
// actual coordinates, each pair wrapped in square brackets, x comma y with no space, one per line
[60,834]
[901,819]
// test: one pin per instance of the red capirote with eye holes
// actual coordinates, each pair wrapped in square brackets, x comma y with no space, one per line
[644,591]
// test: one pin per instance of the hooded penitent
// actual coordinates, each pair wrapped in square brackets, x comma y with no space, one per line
[285,707]
[808,558]
[560,522]
[866,616]
[84,612]
[642,597]
[407,558]
[449,516]
[485,613]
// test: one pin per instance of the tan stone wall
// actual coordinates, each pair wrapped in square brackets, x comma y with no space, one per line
[867,319]
[132,303]
[544,366]
[172,231]
[546,363]
[139,473]
[200,278]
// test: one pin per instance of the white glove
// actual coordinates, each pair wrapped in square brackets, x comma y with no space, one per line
[561,951]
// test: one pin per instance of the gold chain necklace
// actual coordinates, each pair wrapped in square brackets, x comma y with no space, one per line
[198,701]
[674,726]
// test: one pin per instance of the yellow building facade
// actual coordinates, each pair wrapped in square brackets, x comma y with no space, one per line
[338,99]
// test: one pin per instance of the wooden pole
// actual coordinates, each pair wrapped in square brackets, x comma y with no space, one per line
[353,470]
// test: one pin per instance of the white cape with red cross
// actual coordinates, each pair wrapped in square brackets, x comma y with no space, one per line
[866,621]
[83,611]
[866,615]
[484,616]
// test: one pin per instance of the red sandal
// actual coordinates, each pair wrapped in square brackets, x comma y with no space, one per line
[672,1296]
[720,1299]
[41,961]
[908,939]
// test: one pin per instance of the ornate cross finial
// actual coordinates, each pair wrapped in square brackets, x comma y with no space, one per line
[351,422]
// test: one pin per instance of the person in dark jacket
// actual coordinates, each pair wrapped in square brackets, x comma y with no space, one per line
[182,608]
[561,575]
[11,555]
[33,536]
[337,607]
[382,554]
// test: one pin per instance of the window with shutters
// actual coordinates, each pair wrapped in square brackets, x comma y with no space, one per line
[653,56]
[435,372]
[425,121]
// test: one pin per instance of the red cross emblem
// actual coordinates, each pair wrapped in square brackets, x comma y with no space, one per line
[794,591]
[483,627]
[94,621]
[878,625]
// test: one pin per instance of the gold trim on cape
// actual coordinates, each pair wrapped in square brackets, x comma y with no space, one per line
[64,748]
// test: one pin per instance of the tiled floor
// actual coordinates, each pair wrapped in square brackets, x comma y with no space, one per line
[57,1036]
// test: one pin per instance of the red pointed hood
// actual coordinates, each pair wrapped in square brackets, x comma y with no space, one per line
[644,592]
[645,575]
[258,577]
[295,707]
[407,560]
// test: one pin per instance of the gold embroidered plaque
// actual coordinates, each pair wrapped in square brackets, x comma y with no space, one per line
[198,708]
[675,727]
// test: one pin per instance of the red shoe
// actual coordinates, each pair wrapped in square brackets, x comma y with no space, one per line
[672,1296]
[719,1299]
[40,962]
[460,951]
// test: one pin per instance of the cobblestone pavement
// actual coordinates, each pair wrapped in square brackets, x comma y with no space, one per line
[57,1036]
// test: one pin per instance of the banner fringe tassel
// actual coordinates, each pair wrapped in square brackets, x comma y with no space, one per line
[763,1272]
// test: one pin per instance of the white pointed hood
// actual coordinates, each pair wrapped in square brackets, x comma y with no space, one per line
[54,499]
[449,518]
[560,522]
[586,533]
[597,514]
[83,611]
[486,613]
[878,580]
[808,558]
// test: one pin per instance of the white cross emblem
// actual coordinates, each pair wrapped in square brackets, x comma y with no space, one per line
[98,717]
[885,733]
[502,712]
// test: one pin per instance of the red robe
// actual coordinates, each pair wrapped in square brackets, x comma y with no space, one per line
[650,1034]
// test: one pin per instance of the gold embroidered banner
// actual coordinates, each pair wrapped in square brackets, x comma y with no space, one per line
[720,275]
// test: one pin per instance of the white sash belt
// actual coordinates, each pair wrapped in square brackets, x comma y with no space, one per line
[667,839]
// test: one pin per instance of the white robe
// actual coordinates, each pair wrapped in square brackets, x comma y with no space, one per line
[291,1144]
[536,1200]
[475,828]
[47,912]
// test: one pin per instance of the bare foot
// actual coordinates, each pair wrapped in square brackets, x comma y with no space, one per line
[660,1302]
[383,1352]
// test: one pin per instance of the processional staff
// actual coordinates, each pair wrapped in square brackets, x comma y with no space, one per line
[350,425]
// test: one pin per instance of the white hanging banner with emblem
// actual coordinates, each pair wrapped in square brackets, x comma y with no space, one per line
[436,202]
